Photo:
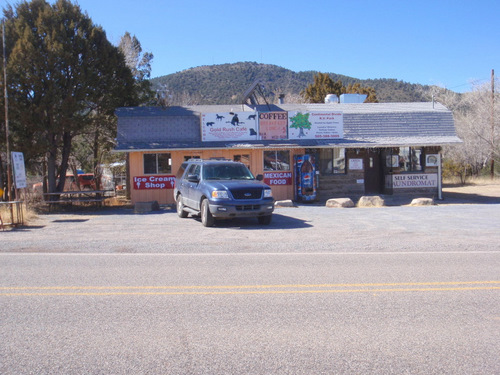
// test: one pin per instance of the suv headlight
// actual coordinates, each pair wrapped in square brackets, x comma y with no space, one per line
[268,193]
[220,194]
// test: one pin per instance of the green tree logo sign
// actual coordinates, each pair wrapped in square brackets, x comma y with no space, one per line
[300,121]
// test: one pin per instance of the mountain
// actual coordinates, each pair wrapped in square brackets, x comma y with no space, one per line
[226,84]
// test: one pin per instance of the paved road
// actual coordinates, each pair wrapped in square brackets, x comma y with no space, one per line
[382,291]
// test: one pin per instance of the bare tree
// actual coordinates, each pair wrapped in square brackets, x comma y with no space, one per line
[478,125]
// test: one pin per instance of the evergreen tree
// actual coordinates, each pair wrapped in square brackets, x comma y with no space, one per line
[324,85]
[64,77]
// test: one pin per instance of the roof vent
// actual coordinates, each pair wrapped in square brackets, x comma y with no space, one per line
[353,98]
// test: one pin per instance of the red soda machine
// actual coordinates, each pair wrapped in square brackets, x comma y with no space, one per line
[305,178]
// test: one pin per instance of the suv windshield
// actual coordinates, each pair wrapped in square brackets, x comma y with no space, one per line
[227,172]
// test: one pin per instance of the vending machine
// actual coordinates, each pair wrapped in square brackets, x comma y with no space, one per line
[306,180]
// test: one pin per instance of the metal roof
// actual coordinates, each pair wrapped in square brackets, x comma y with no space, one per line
[365,125]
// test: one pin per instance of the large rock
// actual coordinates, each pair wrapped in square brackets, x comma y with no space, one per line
[339,203]
[422,202]
[371,201]
[285,203]
[145,207]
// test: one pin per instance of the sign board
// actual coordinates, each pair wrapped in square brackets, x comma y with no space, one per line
[229,126]
[278,178]
[315,125]
[273,125]
[18,170]
[356,164]
[432,160]
[421,180]
[154,182]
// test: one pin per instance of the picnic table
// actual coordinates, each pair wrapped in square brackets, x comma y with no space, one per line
[79,196]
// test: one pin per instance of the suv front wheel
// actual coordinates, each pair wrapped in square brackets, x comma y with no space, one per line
[206,216]
[264,220]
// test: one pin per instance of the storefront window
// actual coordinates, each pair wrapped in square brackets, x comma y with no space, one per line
[332,160]
[245,159]
[157,163]
[276,160]
[410,159]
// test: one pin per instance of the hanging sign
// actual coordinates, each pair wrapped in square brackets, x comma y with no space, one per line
[315,125]
[278,178]
[18,170]
[229,126]
[154,182]
[273,125]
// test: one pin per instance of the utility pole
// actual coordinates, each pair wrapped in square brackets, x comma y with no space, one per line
[492,165]
[9,173]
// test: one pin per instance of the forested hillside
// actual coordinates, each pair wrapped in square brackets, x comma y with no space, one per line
[226,84]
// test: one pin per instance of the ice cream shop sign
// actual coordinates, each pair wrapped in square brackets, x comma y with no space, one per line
[154,182]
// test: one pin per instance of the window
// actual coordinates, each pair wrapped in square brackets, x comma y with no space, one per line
[245,159]
[332,160]
[276,160]
[157,163]
[410,159]
[194,170]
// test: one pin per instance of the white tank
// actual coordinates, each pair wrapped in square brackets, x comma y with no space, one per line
[331,98]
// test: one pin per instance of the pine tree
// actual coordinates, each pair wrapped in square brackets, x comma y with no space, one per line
[63,73]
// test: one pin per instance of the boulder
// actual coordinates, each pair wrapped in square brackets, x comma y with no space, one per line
[422,202]
[145,207]
[339,202]
[285,203]
[371,201]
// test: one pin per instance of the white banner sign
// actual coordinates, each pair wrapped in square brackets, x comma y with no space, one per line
[315,125]
[18,170]
[405,181]
[231,126]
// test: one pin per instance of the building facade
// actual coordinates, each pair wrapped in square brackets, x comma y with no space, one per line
[304,151]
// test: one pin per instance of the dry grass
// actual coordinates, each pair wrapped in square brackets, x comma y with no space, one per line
[25,216]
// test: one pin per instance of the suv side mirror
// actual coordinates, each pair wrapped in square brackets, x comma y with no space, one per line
[193,178]
[259,177]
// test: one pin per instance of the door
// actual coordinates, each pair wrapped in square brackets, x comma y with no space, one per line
[191,196]
[373,171]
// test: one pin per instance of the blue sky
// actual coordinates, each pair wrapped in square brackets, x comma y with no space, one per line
[439,42]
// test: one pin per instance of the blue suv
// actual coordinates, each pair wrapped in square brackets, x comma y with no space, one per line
[221,189]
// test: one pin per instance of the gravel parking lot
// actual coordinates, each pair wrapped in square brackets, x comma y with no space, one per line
[464,221]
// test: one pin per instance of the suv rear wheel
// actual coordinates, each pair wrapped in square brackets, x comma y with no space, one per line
[180,207]
[206,216]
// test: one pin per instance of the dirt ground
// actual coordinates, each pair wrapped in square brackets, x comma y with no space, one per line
[480,191]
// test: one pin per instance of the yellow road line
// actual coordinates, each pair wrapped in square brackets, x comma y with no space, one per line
[131,287]
[245,289]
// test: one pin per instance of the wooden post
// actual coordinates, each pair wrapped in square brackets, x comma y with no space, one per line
[492,165]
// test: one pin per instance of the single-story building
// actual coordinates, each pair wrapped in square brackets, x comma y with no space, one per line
[304,151]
